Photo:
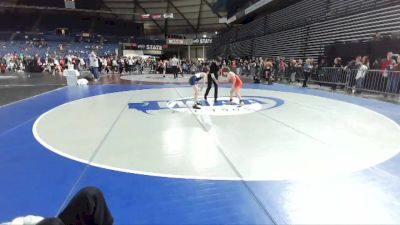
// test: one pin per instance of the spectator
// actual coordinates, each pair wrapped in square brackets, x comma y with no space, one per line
[376,65]
[163,65]
[308,66]
[282,67]
[185,68]
[130,65]
[361,73]
[352,68]
[100,64]
[292,71]
[193,69]
[387,67]
[234,67]
[94,65]
[174,62]
[3,65]
[395,77]
[71,74]
[299,68]
[87,207]
[377,36]
[337,63]
[387,64]
[120,66]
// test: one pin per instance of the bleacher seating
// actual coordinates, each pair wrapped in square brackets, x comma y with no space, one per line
[357,27]
[241,48]
[345,7]
[305,28]
[252,29]
[296,15]
[23,47]
[275,45]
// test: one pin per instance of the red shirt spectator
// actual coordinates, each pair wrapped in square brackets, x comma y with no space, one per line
[387,62]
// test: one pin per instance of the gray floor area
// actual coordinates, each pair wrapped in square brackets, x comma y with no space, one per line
[187,143]
[18,86]
[369,95]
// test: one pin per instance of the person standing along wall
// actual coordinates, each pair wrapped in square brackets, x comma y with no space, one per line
[94,65]
[361,74]
[387,67]
[307,71]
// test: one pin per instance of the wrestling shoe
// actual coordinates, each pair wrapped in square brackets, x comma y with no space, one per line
[196,107]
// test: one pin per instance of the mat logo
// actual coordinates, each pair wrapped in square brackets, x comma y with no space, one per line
[222,107]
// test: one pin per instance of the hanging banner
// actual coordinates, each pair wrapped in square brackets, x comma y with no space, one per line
[156,16]
[168,15]
[146,16]
[150,47]
[202,41]
[173,41]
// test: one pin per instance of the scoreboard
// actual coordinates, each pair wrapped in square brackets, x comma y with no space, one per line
[69,4]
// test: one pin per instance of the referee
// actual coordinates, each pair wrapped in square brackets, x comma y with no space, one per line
[214,69]
[174,63]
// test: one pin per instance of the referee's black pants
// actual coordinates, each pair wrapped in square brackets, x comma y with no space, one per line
[175,71]
[209,85]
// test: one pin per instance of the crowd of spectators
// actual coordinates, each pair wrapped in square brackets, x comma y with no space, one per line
[38,55]
[184,66]
[382,75]
[385,71]
[94,61]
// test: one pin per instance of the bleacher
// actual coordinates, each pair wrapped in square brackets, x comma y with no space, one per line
[305,28]
[82,49]
[357,27]
[275,45]
[297,15]
[241,48]
[345,7]
[252,29]
[28,43]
